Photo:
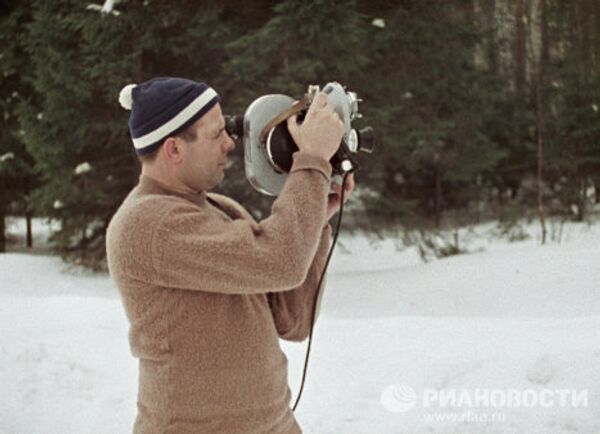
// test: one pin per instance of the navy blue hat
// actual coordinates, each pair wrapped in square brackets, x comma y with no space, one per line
[164,107]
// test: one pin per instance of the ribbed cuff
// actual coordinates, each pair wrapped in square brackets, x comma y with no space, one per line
[304,161]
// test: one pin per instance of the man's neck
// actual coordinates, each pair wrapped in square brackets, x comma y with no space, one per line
[167,181]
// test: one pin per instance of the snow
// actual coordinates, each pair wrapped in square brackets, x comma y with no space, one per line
[106,8]
[83,168]
[6,157]
[378,22]
[508,316]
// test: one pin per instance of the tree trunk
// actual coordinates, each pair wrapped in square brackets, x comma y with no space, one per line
[3,205]
[469,17]
[540,159]
[438,198]
[539,115]
[2,229]
[596,32]
[518,117]
[489,17]
[28,216]
[520,52]
[582,208]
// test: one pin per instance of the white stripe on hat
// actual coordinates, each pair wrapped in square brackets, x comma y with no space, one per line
[182,117]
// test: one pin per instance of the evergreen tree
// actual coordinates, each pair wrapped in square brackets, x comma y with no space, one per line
[16,172]
[302,43]
[433,103]
[574,131]
[75,129]
[446,85]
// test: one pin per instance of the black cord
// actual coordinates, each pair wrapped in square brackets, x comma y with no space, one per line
[314,309]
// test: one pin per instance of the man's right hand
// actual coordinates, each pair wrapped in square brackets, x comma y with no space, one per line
[321,132]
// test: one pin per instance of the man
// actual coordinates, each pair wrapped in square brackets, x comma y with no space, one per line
[207,290]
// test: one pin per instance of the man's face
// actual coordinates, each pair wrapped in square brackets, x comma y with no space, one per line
[205,158]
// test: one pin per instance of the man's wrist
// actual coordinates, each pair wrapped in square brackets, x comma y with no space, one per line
[314,153]
[304,160]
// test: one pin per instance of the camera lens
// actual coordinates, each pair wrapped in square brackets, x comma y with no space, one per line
[280,147]
[366,139]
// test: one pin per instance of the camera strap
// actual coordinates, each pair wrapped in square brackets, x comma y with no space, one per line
[314,309]
[297,107]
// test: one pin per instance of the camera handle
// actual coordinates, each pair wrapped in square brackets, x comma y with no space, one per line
[297,107]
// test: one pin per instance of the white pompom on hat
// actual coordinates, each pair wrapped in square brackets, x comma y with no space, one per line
[125,97]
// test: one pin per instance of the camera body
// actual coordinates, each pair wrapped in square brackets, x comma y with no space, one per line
[268,145]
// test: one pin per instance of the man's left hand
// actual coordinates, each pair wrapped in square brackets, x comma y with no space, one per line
[334,199]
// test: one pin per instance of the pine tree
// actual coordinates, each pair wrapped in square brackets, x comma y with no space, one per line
[433,102]
[448,86]
[574,131]
[301,43]
[75,128]
[17,177]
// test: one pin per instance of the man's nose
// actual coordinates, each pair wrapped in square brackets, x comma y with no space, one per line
[230,145]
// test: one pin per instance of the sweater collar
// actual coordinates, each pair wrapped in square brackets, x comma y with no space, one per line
[152,186]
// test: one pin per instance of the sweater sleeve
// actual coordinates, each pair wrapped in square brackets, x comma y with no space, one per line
[193,250]
[292,310]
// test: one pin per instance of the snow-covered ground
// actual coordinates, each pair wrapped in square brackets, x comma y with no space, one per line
[511,331]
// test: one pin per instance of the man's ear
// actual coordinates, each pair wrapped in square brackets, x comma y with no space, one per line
[172,150]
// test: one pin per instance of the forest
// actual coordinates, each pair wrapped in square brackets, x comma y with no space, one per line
[483,109]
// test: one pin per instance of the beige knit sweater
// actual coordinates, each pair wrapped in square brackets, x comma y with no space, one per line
[208,291]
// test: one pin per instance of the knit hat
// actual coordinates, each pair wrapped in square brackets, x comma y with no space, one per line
[163,107]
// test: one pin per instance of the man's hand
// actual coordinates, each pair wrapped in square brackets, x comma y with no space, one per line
[335,197]
[321,132]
